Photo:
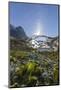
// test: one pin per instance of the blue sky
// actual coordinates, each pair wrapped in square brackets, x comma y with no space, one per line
[35,18]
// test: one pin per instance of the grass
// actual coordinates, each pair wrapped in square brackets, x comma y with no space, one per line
[32,68]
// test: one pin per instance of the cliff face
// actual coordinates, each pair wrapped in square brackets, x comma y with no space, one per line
[17,32]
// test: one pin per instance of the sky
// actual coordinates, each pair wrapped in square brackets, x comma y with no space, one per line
[34,18]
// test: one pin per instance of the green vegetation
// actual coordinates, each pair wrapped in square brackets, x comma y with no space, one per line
[33,68]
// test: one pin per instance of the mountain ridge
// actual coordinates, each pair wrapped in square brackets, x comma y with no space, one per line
[17,32]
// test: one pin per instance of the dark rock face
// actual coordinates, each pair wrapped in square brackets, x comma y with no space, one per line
[13,31]
[17,32]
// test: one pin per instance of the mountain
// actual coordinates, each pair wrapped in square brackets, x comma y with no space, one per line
[17,32]
[18,38]
[50,44]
